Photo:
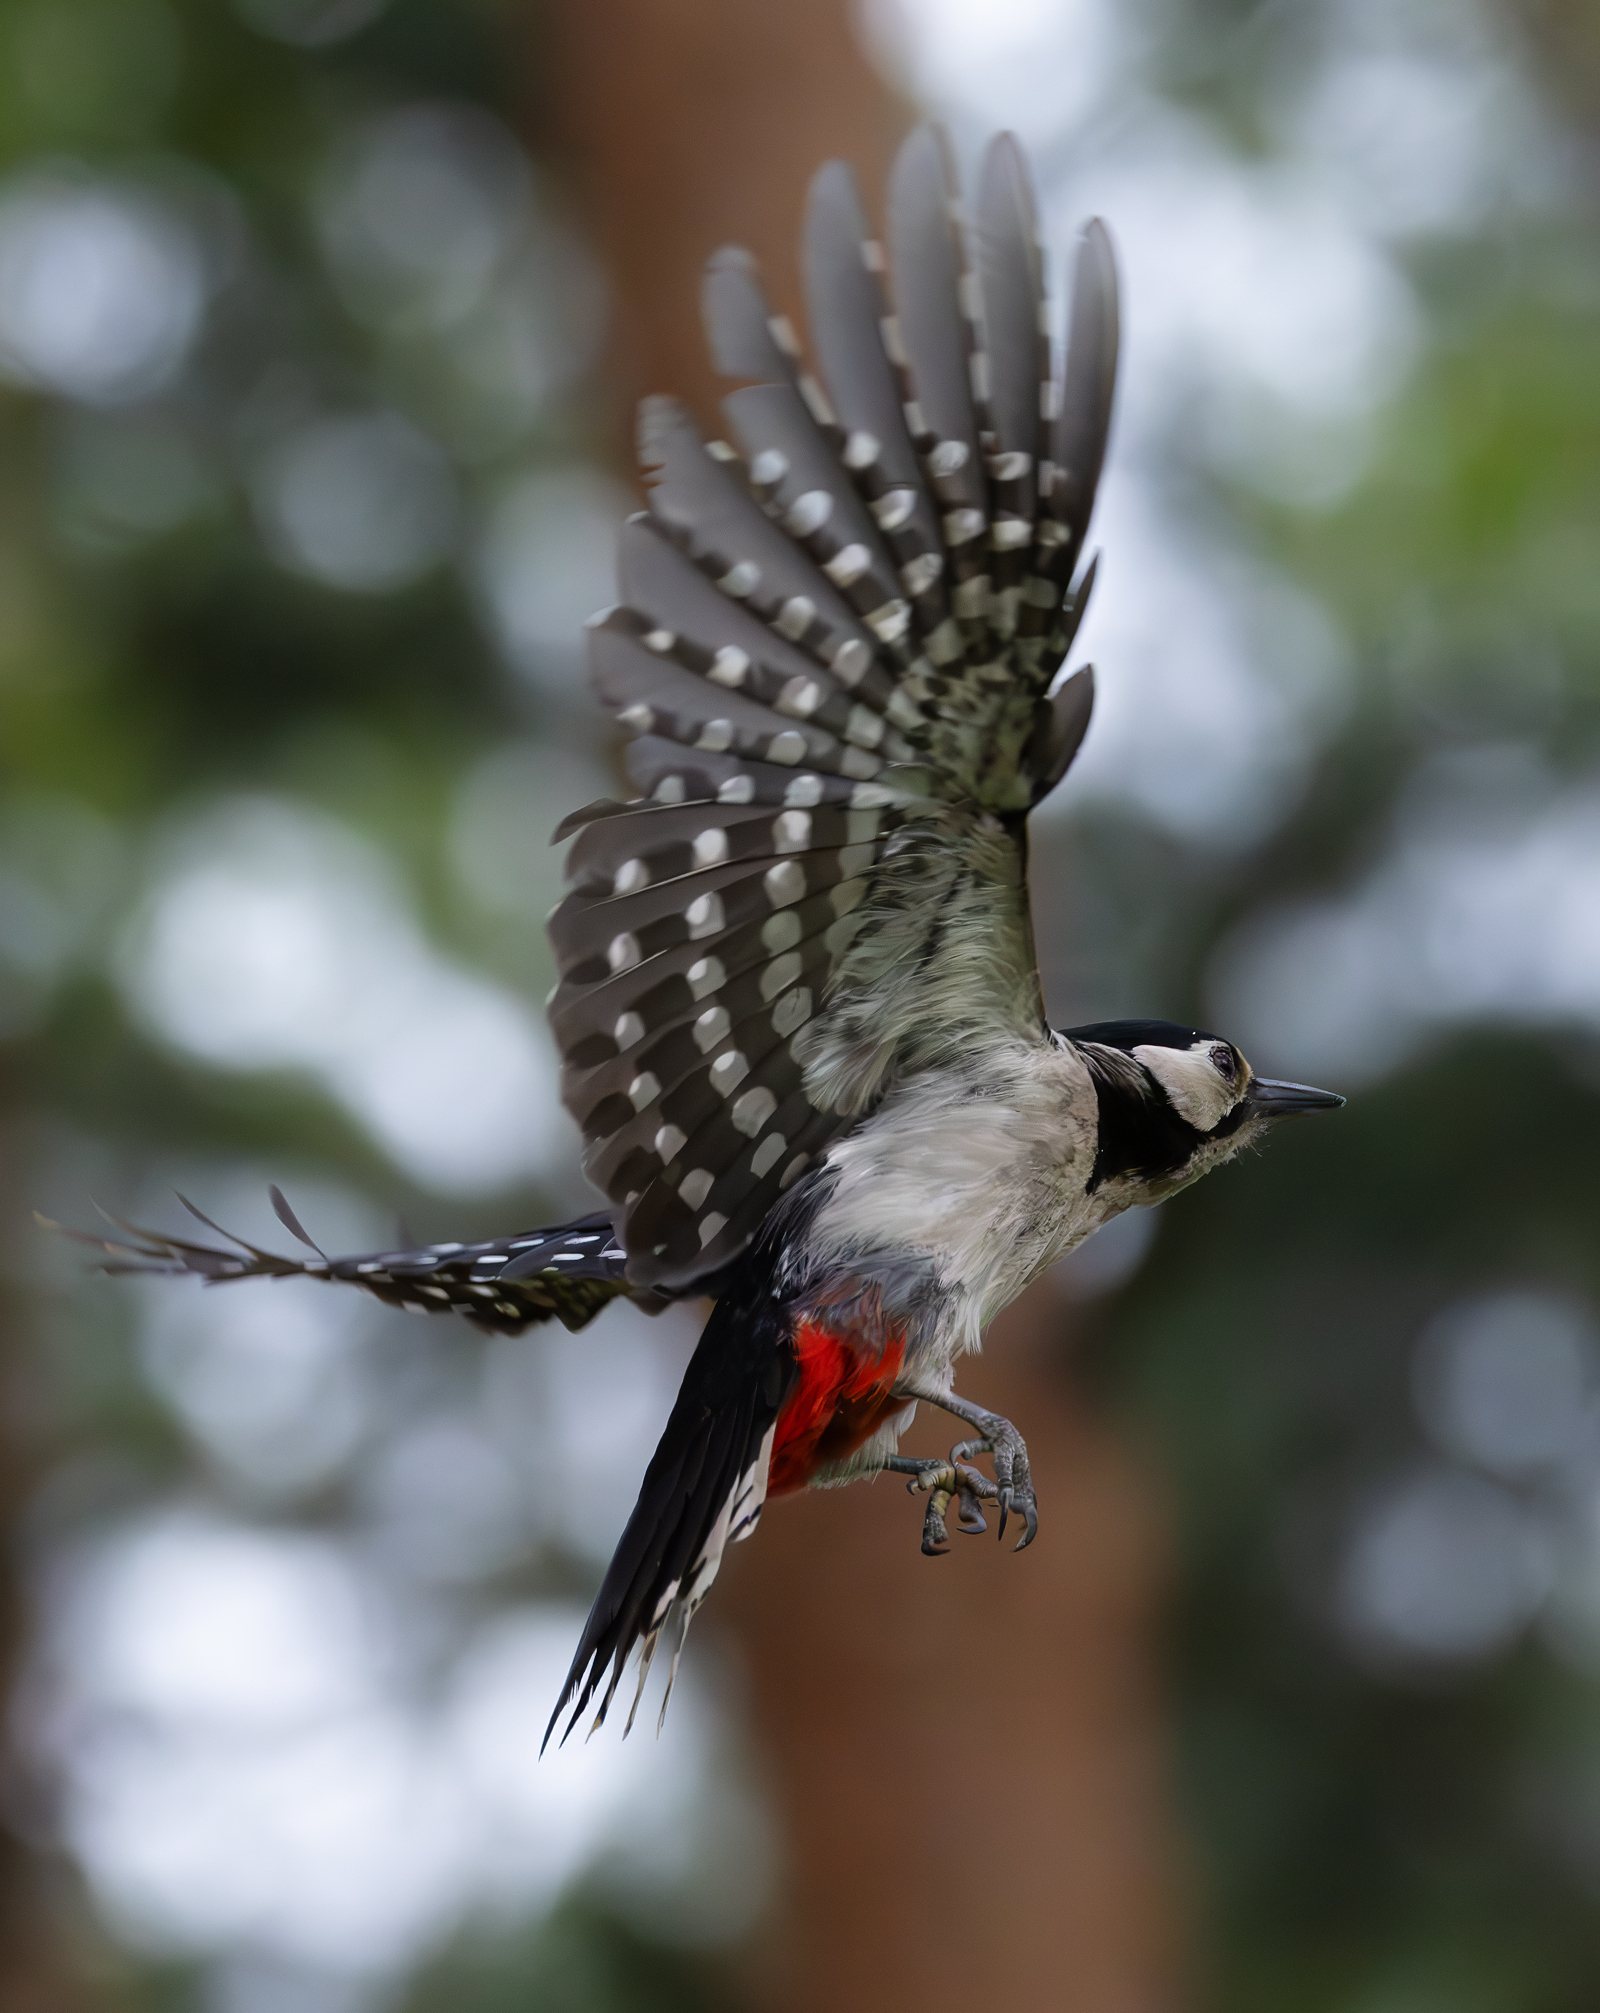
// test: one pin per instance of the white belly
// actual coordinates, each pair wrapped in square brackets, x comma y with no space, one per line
[978,1172]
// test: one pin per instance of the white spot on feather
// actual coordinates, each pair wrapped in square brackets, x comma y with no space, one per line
[710,1028]
[784,883]
[730,666]
[752,1110]
[706,975]
[704,915]
[728,1072]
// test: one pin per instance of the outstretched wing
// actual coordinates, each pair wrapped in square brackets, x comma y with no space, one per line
[837,653]
[567,1273]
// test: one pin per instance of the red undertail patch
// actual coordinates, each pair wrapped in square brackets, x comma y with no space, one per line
[843,1395]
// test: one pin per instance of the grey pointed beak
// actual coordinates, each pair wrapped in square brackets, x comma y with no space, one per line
[1283,1100]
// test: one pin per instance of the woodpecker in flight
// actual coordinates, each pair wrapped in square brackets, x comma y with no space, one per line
[799,1013]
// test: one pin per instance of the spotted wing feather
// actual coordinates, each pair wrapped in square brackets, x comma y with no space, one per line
[835,653]
[1083,420]
[844,266]
[744,336]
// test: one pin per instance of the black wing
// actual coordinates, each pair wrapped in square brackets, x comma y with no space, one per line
[837,654]
[569,1272]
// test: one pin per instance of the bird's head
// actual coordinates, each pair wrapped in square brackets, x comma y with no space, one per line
[1176,1102]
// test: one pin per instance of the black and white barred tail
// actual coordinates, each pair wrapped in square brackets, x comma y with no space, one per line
[568,1273]
[703,1491]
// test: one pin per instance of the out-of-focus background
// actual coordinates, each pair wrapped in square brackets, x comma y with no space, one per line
[320,321]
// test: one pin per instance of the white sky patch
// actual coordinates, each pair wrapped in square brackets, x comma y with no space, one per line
[421,210]
[1484,910]
[1416,143]
[273,938]
[362,501]
[544,562]
[1442,1567]
[1215,679]
[1034,67]
[440,237]
[248,1764]
[102,288]
[274,1396]
[1510,1382]
[1236,272]
[1266,325]
[504,811]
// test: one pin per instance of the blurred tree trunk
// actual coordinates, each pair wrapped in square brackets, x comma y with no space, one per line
[967,1752]
[42,1959]
[1564,38]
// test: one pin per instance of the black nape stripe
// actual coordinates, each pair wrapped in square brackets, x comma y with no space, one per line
[1138,1132]
[1131,1034]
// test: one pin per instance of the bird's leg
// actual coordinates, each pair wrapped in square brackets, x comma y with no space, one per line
[1012,1487]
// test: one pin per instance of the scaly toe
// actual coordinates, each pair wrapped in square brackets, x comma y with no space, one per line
[969,1518]
[935,1537]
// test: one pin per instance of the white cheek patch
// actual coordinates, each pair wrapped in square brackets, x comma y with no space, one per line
[1193,1083]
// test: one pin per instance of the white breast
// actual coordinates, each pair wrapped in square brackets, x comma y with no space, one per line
[978,1169]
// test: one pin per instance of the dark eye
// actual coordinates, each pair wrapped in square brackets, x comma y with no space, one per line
[1226,1061]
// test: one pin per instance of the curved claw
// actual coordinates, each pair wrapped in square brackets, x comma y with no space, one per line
[969,1518]
[954,1480]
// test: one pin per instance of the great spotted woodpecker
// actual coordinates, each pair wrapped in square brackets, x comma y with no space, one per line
[801,1022]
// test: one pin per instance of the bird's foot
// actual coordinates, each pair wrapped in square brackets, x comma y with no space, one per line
[944,1481]
[1012,1487]
[1013,1479]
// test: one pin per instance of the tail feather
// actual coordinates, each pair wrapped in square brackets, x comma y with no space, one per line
[568,1272]
[702,1490]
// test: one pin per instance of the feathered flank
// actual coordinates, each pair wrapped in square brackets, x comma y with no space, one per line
[835,654]
[568,1273]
